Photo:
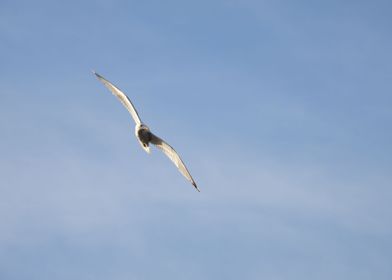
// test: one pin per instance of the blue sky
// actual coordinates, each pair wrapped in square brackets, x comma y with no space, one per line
[280,109]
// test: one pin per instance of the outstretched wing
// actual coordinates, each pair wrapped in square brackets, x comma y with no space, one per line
[121,96]
[174,157]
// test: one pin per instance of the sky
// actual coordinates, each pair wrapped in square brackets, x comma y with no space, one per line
[280,109]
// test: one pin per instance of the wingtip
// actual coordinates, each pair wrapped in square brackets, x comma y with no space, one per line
[194,184]
[96,74]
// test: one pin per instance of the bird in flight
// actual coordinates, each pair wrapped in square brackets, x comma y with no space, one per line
[143,133]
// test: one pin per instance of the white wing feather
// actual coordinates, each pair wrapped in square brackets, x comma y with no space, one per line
[121,96]
[173,156]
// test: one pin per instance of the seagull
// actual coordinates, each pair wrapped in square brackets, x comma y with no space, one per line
[143,133]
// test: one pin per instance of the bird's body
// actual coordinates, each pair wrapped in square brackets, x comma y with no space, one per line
[143,133]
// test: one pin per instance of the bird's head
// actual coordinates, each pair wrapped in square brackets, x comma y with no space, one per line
[140,127]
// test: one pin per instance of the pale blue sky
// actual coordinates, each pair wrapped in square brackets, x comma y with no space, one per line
[281,110]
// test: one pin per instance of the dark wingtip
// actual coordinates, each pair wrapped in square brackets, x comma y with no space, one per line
[96,74]
[194,184]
